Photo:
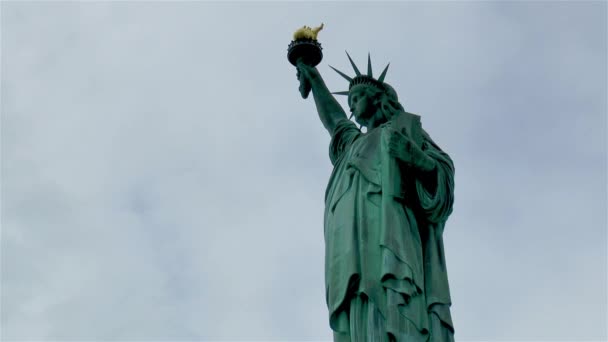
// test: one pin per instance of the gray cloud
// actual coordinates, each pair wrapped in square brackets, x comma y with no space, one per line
[163,180]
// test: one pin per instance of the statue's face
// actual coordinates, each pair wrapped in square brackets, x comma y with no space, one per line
[361,100]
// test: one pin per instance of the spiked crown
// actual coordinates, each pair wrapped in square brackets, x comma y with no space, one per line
[359,78]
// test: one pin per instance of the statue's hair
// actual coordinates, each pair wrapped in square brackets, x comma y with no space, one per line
[389,103]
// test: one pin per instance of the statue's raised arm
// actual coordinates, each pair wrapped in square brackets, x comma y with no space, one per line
[305,52]
[330,111]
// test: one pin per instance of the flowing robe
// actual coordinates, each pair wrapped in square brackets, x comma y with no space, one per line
[383,230]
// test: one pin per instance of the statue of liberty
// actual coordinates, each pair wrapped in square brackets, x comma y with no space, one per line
[386,204]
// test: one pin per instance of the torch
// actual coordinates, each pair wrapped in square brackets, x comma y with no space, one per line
[304,48]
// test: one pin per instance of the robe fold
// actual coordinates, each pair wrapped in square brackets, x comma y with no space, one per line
[383,229]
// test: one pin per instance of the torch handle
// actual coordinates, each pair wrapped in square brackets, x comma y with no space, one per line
[305,86]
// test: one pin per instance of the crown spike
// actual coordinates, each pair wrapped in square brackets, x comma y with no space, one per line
[381,78]
[341,93]
[353,64]
[342,74]
[369,65]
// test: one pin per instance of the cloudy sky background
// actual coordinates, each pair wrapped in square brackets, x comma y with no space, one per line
[162,179]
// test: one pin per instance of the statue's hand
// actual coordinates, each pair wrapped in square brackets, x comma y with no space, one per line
[307,75]
[403,148]
[306,71]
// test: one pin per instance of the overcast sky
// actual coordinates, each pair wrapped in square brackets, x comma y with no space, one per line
[162,178]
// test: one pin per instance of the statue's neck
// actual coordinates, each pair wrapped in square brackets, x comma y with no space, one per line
[378,119]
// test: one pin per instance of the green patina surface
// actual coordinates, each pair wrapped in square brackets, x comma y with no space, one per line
[386,204]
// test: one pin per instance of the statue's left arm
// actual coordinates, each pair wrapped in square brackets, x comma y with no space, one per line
[433,172]
[435,187]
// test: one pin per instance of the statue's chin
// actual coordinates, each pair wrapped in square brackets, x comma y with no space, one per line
[367,121]
[362,118]
[361,121]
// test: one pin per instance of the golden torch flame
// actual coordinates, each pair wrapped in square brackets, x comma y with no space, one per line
[306,32]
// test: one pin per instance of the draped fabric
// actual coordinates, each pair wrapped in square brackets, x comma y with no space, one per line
[366,322]
[384,248]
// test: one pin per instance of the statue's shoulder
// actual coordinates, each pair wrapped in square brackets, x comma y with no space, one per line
[407,116]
